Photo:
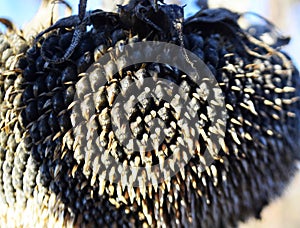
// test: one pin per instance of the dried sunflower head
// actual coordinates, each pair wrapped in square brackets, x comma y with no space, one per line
[63,121]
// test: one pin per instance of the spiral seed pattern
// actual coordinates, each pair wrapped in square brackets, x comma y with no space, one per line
[46,165]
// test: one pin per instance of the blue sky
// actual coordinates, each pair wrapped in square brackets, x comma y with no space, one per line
[17,11]
[21,11]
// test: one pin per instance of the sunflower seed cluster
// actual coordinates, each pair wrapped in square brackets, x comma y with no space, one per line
[14,152]
[42,157]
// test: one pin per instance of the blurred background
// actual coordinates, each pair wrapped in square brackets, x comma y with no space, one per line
[285,14]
